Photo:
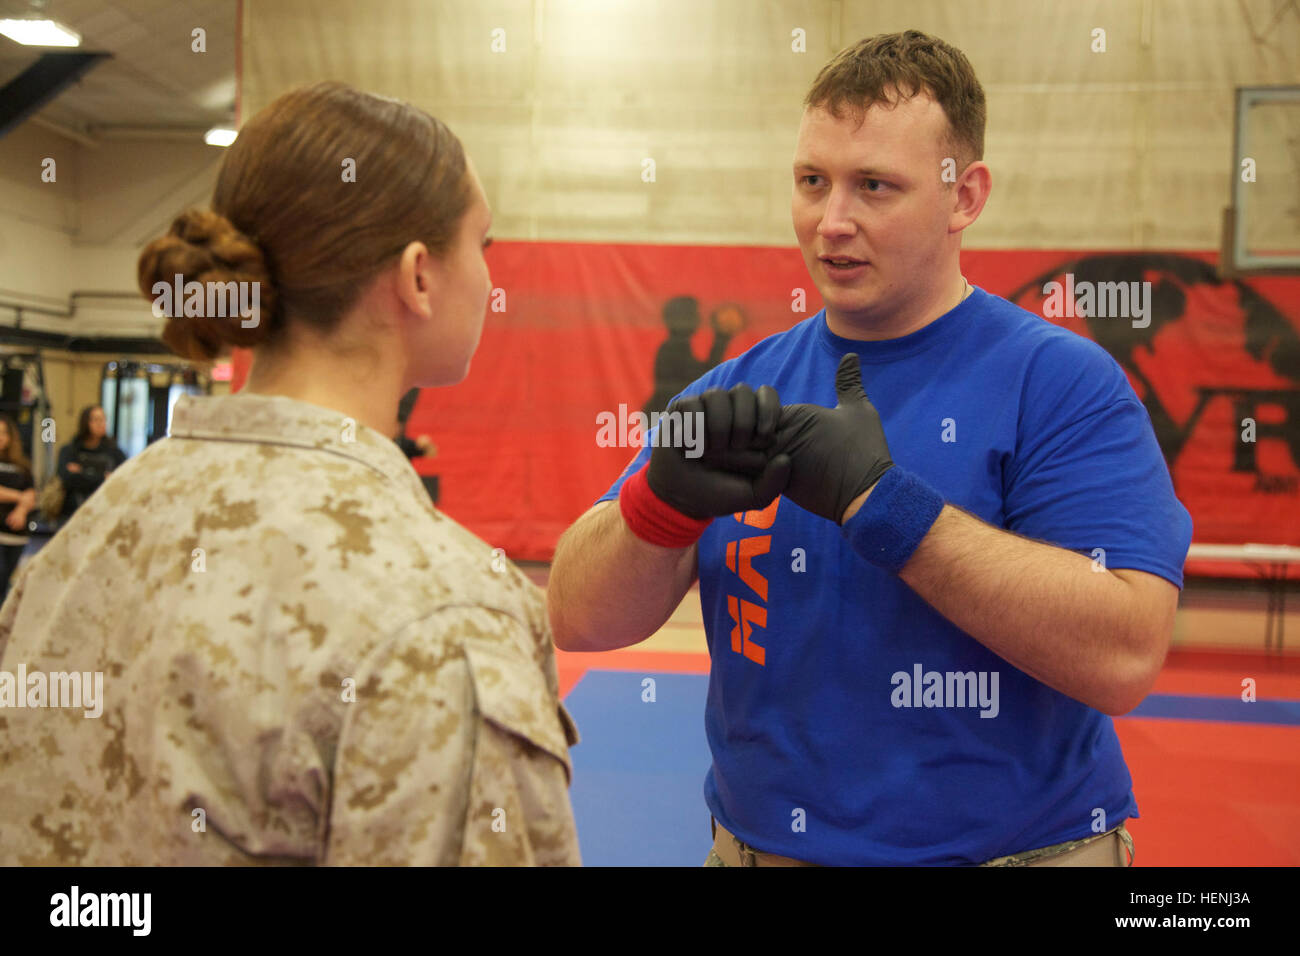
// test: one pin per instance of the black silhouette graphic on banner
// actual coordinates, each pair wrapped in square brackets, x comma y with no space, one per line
[675,364]
[1267,336]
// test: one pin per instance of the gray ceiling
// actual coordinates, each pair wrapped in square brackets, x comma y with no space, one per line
[154,81]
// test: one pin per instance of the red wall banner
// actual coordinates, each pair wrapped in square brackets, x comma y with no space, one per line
[587,328]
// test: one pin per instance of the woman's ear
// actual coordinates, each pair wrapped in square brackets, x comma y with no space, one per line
[417,278]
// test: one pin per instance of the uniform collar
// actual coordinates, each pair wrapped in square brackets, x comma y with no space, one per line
[279,420]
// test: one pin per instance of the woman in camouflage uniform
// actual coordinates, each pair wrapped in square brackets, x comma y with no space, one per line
[301,659]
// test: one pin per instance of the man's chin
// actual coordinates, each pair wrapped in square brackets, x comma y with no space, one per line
[852,304]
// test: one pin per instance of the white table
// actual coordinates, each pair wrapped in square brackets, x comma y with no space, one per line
[1270,561]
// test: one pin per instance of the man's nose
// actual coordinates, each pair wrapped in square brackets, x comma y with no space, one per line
[836,219]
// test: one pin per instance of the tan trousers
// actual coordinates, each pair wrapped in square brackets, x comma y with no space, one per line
[1113,848]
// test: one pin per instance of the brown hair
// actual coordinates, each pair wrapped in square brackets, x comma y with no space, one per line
[284,216]
[884,67]
[13,452]
[83,423]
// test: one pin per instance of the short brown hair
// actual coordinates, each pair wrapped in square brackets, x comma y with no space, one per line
[283,216]
[881,68]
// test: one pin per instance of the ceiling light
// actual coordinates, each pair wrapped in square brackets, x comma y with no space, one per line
[220,136]
[39,33]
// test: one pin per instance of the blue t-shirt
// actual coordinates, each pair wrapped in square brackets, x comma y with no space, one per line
[832,742]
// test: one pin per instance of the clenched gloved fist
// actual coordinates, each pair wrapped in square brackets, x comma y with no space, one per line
[738,470]
[836,453]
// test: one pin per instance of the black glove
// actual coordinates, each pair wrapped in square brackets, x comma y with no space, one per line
[737,471]
[836,453]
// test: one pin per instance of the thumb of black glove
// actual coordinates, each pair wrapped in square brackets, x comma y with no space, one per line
[835,453]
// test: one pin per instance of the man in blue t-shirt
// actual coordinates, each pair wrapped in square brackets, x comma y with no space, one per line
[920,607]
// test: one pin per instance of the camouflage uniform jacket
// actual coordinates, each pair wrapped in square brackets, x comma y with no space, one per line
[302,661]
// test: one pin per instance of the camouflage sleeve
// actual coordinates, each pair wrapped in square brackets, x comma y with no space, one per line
[453,752]
[9,612]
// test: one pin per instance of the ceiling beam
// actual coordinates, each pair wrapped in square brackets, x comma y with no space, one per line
[40,83]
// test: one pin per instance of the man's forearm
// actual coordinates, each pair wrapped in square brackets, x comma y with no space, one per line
[1052,613]
[608,588]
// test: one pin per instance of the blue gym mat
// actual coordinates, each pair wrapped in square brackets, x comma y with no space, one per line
[1228,709]
[638,775]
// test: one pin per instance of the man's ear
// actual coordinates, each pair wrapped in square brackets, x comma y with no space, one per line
[418,275]
[972,192]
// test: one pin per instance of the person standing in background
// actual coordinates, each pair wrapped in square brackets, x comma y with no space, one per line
[17,498]
[88,459]
[421,445]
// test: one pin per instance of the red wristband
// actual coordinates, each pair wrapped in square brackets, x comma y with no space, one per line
[651,519]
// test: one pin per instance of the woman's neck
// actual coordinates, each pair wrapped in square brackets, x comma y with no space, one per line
[367,394]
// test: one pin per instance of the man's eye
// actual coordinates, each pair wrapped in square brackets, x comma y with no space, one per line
[487,242]
[874,182]
[806,178]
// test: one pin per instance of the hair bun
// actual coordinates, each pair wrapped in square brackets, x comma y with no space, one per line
[205,247]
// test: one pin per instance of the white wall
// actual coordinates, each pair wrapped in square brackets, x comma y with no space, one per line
[1123,149]
[1126,148]
[37,220]
[83,233]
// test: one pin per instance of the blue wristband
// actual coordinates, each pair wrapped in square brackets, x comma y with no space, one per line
[892,521]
